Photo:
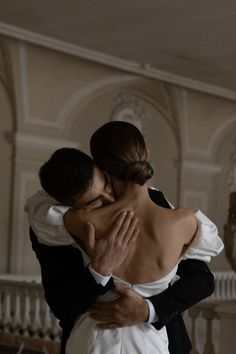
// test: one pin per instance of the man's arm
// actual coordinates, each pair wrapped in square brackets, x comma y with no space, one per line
[195,284]
[69,287]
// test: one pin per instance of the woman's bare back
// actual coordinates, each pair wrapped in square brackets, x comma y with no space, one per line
[164,233]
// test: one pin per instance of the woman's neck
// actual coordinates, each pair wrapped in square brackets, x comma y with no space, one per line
[125,189]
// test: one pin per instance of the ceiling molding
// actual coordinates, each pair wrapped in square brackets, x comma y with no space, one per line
[132,67]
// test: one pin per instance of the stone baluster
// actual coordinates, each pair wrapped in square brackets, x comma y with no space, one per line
[6,309]
[16,319]
[226,312]
[209,315]
[26,318]
[35,307]
[194,314]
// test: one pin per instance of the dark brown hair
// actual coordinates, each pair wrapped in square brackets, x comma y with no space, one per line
[119,149]
[67,174]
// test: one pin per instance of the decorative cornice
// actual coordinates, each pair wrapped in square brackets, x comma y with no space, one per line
[29,141]
[202,167]
[140,69]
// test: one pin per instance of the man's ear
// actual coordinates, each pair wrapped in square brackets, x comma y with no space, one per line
[107,176]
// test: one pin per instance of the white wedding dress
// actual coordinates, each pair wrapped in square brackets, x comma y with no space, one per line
[141,338]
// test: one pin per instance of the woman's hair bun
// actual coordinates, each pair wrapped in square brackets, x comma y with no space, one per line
[138,172]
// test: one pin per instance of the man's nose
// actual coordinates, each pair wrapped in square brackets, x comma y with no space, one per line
[107,198]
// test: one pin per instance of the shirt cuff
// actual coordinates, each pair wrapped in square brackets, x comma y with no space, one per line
[100,279]
[56,213]
[153,317]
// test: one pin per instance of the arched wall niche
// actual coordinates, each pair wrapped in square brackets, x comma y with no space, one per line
[160,127]
[225,132]
[222,146]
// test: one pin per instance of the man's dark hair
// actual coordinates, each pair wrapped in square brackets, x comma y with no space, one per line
[67,174]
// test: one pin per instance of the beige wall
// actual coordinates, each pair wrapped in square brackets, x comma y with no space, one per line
[7,127]
[58,99]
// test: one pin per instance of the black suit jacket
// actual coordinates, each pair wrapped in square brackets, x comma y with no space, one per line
[70,289]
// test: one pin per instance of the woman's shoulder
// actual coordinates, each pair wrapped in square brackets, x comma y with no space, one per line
[186,221]
[184,213]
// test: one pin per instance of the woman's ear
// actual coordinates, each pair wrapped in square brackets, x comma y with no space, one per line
[148,153]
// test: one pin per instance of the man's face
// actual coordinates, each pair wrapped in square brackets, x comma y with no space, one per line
[99,193]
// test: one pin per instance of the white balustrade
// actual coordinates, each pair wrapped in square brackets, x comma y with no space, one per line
[203,319]
[23,310]
[225,286]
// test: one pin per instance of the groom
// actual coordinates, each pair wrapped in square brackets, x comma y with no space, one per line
[71,289]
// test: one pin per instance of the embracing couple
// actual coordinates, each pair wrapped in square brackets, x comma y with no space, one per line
[119,264]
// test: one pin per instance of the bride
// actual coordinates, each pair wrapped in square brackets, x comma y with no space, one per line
[166,236]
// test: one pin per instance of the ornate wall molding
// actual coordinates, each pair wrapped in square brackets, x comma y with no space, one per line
[129,108]
[134,102]
[215,138]
[205,168]
[90,92]
[188,150]
[2,66]
[132,67]
[28,119]
[41,143]
[6,76]
[74,101]
[195,189]
[220,133]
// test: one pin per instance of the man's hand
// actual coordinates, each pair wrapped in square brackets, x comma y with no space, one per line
[109,252]
[128,310]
